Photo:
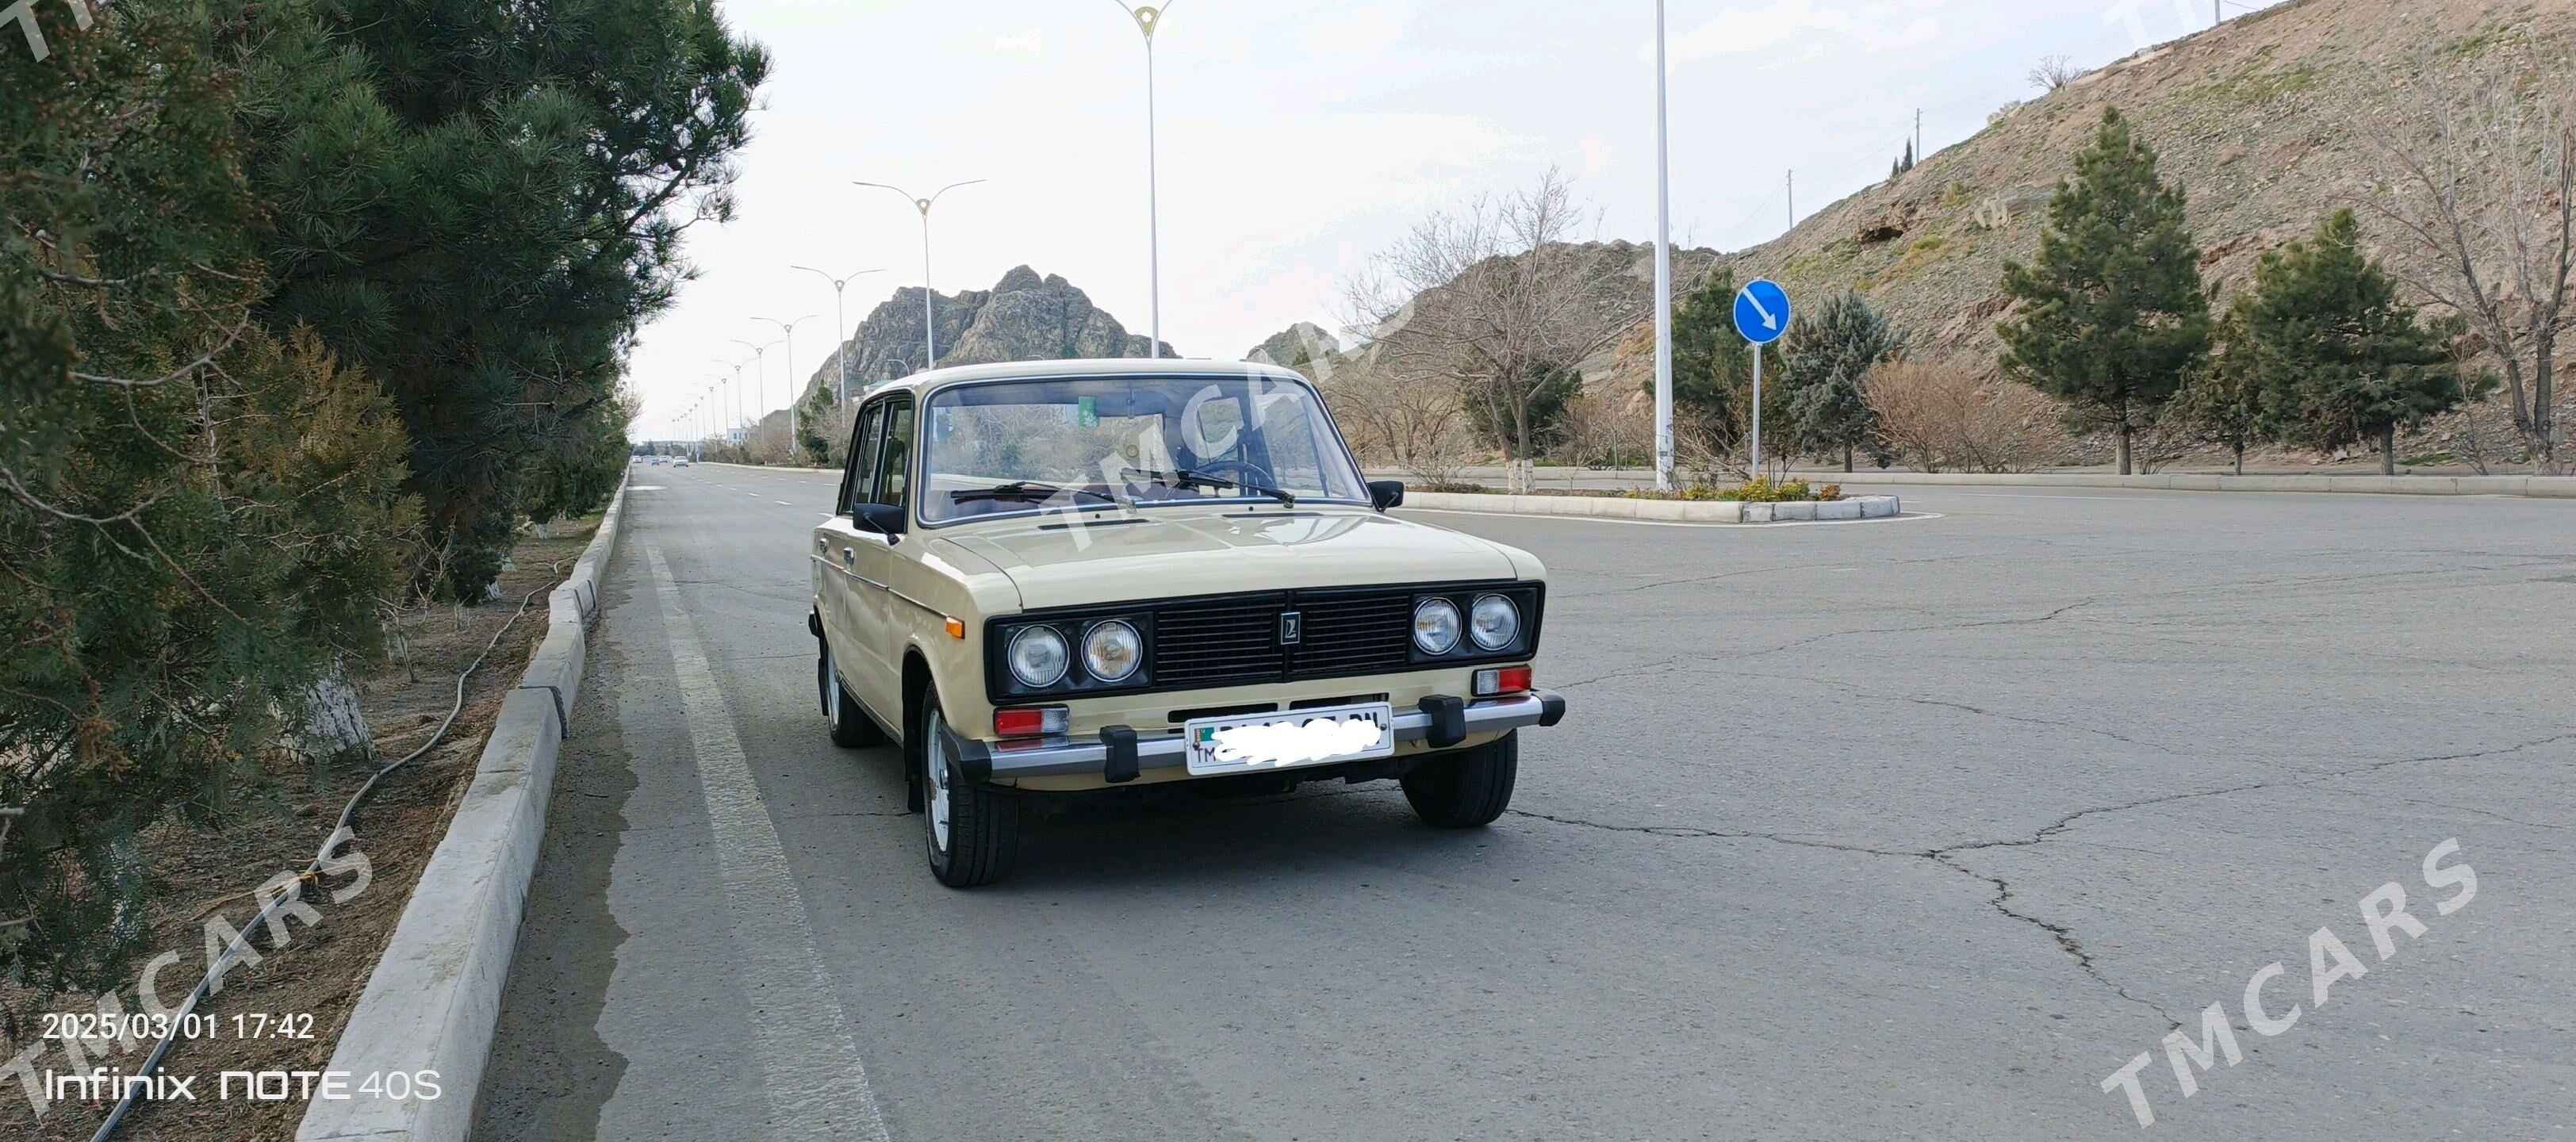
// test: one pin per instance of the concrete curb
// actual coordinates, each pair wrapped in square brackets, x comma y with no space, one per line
[764,467]
[434,998]
[2533,487]
[1662,511]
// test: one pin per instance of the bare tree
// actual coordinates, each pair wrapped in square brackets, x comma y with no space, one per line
[1496,298]
[2054,72]
[1938,413]
[2482,199]
[1413,423]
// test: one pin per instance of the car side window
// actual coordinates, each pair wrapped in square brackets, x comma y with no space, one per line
[858,480]
[894,467]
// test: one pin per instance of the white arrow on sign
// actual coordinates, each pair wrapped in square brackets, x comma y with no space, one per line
[1768,321]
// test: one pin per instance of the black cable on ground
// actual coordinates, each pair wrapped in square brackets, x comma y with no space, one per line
[215,970]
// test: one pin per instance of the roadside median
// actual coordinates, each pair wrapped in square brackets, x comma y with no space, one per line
[432,1000]
[2535,487]
[1662,511]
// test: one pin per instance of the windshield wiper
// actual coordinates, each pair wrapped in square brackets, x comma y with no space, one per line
[1025,490]
[1189,479]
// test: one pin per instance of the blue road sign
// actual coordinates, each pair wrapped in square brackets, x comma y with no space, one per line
[1762,311]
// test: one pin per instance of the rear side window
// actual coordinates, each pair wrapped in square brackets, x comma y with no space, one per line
[859,479]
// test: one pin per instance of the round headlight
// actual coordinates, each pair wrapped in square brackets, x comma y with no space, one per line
[1495,622]
[1038,657]
[1435,626]
[1112,652]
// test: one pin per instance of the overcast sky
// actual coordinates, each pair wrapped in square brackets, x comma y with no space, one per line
[1298,137]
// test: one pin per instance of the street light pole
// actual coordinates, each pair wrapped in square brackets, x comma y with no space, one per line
[929,317]
[1663,269]
[734,407]
[840,330]
[789,328]
[760,367]
[1149,18]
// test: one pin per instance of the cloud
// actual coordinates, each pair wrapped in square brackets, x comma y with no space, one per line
[1026,45]
[1803,28]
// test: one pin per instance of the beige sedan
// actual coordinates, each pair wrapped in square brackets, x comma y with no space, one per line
[1057,578]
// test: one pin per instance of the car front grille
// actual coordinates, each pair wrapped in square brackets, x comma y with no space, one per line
[1236,640]
[1219,641]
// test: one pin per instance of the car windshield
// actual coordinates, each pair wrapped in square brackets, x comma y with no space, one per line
[1104,442]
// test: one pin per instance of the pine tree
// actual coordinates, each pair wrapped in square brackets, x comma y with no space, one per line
[199,520]
[1824,360]
[821,430]
[2338,358]
[480,207]
[2112,314]
[2224,403]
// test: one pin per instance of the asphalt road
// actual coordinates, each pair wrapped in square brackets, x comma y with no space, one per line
[1912,829]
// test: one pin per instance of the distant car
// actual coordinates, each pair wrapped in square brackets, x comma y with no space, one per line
[1066,577]
[680,462]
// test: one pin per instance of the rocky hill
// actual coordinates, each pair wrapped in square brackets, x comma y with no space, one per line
[1024,317]
[1624,272]
[2266,120]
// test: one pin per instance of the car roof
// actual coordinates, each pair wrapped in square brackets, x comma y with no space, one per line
[1096,367]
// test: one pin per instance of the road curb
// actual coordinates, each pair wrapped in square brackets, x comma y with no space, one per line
[1662,511]
[433,1000]
[2531,487]
[764,467]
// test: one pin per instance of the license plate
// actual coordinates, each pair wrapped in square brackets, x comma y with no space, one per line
[1291,740]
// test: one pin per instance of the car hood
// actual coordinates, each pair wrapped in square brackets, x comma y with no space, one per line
[1173,553]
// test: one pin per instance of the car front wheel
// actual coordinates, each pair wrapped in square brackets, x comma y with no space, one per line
[1467,789]
[973,829]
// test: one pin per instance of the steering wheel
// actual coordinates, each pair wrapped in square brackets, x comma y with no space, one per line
[1239,471]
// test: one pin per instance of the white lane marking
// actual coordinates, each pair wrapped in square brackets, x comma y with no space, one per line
[785,504]
[801,1034]
[1908,517]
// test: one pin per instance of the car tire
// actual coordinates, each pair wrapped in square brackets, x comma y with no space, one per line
[971,830]
[851,726]
[1468,789]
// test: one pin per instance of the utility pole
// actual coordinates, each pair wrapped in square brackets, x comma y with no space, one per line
[1663,270]
[1918,134]
[1793,197]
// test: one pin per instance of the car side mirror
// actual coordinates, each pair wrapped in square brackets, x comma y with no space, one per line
[1386,494]
[883,519]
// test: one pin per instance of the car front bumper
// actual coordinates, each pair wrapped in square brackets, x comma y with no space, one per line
[1119,754]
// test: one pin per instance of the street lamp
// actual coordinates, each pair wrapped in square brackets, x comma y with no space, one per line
[789,329]
[840,329]
[929,319]
[734,406]
[1148,18]
[760,368]
[1663,269]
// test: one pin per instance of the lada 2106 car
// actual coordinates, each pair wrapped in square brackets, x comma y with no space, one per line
[1062,577]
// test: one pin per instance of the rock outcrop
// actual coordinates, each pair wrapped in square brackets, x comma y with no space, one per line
[1024,317]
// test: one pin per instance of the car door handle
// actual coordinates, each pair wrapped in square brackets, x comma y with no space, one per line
[849,557]
[822,546]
